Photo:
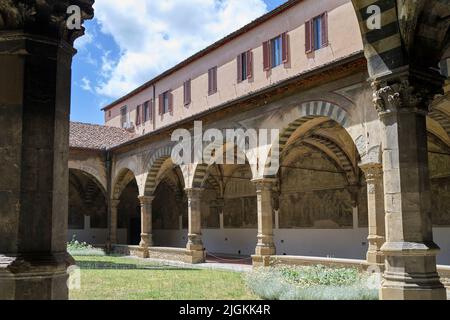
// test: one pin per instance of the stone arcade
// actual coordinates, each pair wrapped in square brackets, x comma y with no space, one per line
[364,175]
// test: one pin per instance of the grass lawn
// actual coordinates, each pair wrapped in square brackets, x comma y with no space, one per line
[119,278]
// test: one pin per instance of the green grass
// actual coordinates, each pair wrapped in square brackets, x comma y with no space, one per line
[119,278]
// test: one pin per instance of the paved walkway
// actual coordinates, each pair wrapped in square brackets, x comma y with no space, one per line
[213,263]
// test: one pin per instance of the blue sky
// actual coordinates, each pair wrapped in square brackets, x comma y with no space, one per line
[117,54]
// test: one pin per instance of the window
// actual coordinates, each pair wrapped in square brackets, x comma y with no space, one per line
[109,113]
[244,66]
[124,116]
[187,92]
[276,52]
[166,103]
[138,115]
[275,46]
[212,81]
[316,31]
[146,111]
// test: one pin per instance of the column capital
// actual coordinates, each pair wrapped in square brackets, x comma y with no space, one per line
[372,170]
[144,200]
[264,184]
[194,192]
[406,90]
[46,18]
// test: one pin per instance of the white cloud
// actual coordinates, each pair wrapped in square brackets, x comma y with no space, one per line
[86,85]
[155,35]
[82,42]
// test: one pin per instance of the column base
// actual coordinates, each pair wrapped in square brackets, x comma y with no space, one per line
[142,252]
[34,277]
[196,256]
[265,250]
[261,261]
[411,272]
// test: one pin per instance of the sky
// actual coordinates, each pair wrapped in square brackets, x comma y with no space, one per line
[131,41]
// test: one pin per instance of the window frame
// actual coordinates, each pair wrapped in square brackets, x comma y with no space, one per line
[124,115]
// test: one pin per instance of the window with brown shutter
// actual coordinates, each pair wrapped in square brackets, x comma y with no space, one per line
[170,102]
[316,31]
[324,29]
[138,115]
[266,55]
[212,81]
[285,47]
[249,64]
[309,47]
[239,68]
[161,104]
[187,93]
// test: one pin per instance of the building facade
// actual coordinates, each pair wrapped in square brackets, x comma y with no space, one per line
[302,69]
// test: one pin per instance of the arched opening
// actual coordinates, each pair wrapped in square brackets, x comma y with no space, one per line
[87,219]
[128,209]
[228,206]
[169,208]
[321,195]
[438,125]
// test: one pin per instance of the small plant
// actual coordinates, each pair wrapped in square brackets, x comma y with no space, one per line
[310,283]
[76,248]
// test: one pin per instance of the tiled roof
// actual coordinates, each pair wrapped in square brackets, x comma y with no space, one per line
[97,137]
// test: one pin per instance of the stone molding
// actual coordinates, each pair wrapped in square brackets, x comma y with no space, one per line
[44,17]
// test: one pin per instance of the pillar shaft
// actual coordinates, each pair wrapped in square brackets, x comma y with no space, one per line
[194,220]
[410,271]
[35,62]
[265,245]
[112,222]
[146,223]
[376,213]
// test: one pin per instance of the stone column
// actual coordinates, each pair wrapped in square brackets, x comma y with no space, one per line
[112,223]
[195,244]
[146,225]
[35,62]
[376,213]
[265,246]
[402,101]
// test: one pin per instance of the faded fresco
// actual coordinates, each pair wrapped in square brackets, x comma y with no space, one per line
[440,188]
[314,194]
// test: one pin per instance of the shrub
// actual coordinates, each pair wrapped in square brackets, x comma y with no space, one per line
[76,248]
[310,283]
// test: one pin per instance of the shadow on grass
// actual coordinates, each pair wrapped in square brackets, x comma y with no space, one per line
[96,265]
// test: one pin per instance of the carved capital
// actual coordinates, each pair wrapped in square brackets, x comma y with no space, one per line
[44,17]
[372,170]
[145,200]
[408,90]
[265,184]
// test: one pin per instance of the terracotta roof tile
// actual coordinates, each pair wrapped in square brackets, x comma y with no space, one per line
[97,137]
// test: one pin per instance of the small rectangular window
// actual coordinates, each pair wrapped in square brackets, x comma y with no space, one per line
[166,102]
[276,51]
[123,116]
[316,31]
[212,81]
[138,115]
[187,92]
[146,111]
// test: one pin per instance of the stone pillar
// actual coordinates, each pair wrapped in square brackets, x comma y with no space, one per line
[35,62]
[376,219]
[146,225]
[195,244]
[402,100]
[265,246]
[112,223]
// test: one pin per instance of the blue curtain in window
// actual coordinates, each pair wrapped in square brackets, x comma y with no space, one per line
[317,33]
